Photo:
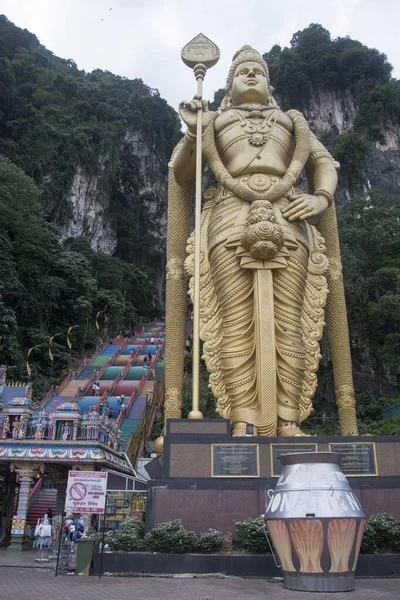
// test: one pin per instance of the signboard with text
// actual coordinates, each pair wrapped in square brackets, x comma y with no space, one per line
[18,526]
[235,460]
[86,492]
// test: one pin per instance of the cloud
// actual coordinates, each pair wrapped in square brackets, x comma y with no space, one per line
[143,38]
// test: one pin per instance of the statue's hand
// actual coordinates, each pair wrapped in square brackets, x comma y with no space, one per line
[304,206]
[189,110]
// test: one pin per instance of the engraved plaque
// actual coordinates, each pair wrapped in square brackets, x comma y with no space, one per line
[235,460]
[277,450]
[358,459]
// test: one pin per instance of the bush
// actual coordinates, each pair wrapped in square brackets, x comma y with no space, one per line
[253,535]
[209,542]
[171,537]
[132,526]
[381,535]
[129,536]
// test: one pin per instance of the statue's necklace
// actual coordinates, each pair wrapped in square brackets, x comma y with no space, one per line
[257,126]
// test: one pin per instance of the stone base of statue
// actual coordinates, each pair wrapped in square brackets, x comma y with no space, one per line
[211,479]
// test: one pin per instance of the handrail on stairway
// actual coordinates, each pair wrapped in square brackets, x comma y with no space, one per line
[35,491]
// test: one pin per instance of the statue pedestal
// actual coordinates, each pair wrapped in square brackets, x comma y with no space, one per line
[211,479]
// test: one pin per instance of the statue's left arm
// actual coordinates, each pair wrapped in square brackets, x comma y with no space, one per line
[322,178]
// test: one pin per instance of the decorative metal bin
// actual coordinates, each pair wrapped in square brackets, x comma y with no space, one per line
[316,523]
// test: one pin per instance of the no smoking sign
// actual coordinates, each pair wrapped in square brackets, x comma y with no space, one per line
[86,492]
[78,491]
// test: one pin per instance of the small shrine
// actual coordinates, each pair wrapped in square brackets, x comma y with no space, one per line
[67,420]
[15,417]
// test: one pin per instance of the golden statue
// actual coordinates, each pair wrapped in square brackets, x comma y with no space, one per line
[269,255]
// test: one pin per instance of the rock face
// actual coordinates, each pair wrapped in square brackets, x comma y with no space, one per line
[90,196]
[88,205]
[332,113]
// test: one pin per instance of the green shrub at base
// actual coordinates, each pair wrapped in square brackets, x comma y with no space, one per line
[209,542]
[129,536]
[171,537]
[252,533]
[381,535]
[167,538]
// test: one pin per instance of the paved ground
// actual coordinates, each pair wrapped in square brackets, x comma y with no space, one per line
[11,558]
[40,584]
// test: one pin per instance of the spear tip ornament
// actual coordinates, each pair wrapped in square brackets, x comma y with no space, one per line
[200,50]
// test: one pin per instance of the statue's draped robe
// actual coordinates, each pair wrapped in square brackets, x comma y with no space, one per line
[234,289]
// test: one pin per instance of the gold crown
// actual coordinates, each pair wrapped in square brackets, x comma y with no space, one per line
[246,54]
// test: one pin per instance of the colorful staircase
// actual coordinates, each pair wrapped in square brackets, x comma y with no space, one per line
[118,371]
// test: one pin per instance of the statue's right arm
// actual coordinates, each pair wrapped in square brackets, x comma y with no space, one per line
[185,161]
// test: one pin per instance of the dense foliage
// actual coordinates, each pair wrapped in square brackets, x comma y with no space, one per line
[254,535]
[128,537]
[54,121]
[47,287]
[370,242]
[167,538]
[381,535]
[315,61]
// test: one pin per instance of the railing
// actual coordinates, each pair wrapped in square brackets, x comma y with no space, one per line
[131,399]
[109,390]
[87,361]
[55,391]
[157,400]
[135,445]
[64,383]
[46,397]
[35,492]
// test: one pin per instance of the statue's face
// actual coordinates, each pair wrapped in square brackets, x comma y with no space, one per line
[249,84]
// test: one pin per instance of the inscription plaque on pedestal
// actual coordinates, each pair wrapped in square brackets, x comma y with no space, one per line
[279,449]
[358,459]
[235,460]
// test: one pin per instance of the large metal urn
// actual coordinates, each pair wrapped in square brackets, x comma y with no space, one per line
[316,523]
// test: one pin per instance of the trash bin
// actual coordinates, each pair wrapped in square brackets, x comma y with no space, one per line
[84,556]
[316,523]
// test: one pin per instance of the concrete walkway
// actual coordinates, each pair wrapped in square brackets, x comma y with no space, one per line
[39,583]
[11,558]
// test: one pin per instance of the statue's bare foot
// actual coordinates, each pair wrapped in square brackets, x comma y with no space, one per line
[290,429]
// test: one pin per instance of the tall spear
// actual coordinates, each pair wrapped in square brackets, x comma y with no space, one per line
[199,54]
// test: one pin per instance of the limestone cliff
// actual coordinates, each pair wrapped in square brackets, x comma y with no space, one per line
[136,178]
[331,113]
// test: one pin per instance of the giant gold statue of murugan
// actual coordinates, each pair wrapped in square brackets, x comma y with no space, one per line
[269,255]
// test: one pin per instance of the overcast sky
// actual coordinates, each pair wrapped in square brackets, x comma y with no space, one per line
[143,38]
